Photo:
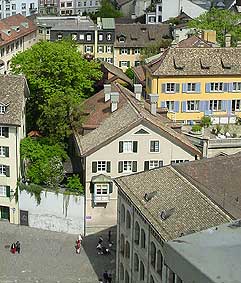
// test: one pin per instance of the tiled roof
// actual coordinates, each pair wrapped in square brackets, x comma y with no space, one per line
[140,74]
[129,113]
[12,95]
[140,35]
[189,209]
[108,23]
[116,72]
[197,62]
[15,27]
[219,178]
[193,41]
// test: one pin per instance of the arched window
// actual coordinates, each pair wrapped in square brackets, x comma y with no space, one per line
[128,250]
[127,277]
[143,239]
[122,244]
[153,254]
[152,279]
[136,263]
[128,220]
[123,213]
[159,263]
[142,271]
[121,272]
[137,233]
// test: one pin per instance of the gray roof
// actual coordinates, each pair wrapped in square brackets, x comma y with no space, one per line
[108,23]
[197,62]
[214,254]
[129,114]
[191,210]
[12,95]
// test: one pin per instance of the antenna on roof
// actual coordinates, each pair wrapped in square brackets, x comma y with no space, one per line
[166,213]
[149,196]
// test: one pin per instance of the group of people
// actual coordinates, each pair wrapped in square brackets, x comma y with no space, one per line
[15,247]
[101,249]
[107,276]
[78,244]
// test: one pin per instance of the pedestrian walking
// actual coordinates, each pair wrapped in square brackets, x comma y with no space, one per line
[100,241]
[78,246]
[18,247]
[109,277]
[13,248]
[105,276]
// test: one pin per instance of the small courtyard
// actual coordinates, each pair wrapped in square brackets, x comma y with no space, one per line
[50,256]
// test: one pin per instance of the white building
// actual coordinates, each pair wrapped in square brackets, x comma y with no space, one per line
[12,7]
[13,93]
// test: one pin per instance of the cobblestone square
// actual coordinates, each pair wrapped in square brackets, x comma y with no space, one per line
[50,257]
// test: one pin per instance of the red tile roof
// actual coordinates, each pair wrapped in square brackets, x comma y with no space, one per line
[10,24]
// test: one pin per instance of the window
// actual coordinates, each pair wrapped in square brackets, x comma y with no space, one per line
[159,263]
[4,191]
[59,36]
[109,49]
[237,86]
[215,105]
[108,36]
[101,166]
[13,13]
[153,254]
[152,164]
[88,37]
[48,31]
[193,105]
[84,3]
[109,60]
[124,51]
[137,51]
[12,47]
[127,277]
[69,4]
[128,146]
[216,87]
[4,132]
[154,146]
[2,109]
[122,244]
[191,87]
[152,19]
[236,105]
[137,63]
[122,274]
[128,250]
[170,105]
[4,170]
[90,2]
[4,151]
[74,36]
[81,36]
[136,263]
[143,239]
[137,233]
[122,39]
[128,220]
[101,37]
[127,166]
[101,189]
[88,49]
[170,87]
[31,6]
[177,161]
[7,7]
[79,4]
[2,52]
[100,49]
[123,214]
[23,6]
[142,271]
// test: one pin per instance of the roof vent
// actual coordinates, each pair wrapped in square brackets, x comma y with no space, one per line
[166,213]
[235,224]
[149,196]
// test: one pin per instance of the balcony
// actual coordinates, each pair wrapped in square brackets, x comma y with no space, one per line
[221,143]
[101,198]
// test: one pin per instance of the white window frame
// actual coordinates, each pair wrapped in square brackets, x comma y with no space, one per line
[216,87]
[191,87]
[101,37]
[88,37]
[74,36]
[170,105]
[101,166]
[124,51]
[81,36]
[122,39]
[237,86]
[101,49]
[127,166]
[193,105]
[108,49]
[177,161]
[156,142]
[170,87]
[60,36]
[237,104]
[102,189]
[3,151]
[124,63]
[89,49]
[2,170]
[137,51]
[215,105]
[2,109]
[154,164]
[2,132]
[3,191]
[127,146]
[109,60]
[109,36]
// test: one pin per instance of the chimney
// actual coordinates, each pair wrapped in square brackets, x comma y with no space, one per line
[114,97]
[228,40]
[107,91]
[138,91]
[153,102]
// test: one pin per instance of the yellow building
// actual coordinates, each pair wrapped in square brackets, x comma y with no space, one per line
[195,82]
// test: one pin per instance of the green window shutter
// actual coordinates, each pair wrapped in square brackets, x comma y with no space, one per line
[135,143]
[108,167]
[121,146]
[94,167]
[133,50]
[120,51]
[128,50]
[92,188]
[146,165]
[110,187]
[163,88]
[6,132]
[7,171]
[119,63]
[120,167]
[134,166]
[177,87]
[6,151]
[128,64]
[8,191]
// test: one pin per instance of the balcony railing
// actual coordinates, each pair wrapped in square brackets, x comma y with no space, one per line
[228,142]
[101,198]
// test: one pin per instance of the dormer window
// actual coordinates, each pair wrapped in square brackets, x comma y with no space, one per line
[60,36]
[2,109]
[122,39]
[108,36]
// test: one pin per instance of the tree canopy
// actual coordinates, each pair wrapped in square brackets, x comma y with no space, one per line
[107,10]
[222,21]
[154,48]
[59,78]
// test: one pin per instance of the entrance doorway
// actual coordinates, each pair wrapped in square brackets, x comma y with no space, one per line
[4,213]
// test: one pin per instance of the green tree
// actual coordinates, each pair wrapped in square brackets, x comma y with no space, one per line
[130,73]
[74,185]
[58,78]
[222,21]
[154,48]
[107,10]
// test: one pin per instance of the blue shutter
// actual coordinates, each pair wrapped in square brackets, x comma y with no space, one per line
[229,106]
[207,110]
[202,106]
[163,104]
[230,87]
[198,87]
[176,106]
[184,87]
[208,87]
[225,87]
[184,106]
[177,87]
[224,105]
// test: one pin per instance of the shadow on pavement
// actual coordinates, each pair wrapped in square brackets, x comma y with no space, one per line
[99,262]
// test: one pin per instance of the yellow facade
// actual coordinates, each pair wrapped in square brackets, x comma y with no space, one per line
[154,85]
[126,60]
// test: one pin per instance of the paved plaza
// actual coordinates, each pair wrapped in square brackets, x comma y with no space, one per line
[48,257]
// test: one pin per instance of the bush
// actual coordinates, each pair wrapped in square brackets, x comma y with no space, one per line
[206,122]
[74,185]
[196,128]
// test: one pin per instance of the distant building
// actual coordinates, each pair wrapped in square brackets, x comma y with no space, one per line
[13,95]
[49,7]
[17,33]
[12,7]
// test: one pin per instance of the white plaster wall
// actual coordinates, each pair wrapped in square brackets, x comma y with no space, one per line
[53,213]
